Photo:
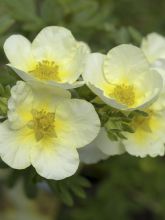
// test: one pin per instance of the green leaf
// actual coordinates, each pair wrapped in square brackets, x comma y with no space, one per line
[112,136]
[127,128]
[136,113]
[24,10]
[135,34]
[67,188]
[65,195]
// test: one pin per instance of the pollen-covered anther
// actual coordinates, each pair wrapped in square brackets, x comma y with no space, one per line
[124,94]
[46,70]
[43,124]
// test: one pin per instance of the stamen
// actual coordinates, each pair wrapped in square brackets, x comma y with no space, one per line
[46,70]
[43,124]
[124,94]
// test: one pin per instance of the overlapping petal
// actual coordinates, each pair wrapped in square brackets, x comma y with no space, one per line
[81,122]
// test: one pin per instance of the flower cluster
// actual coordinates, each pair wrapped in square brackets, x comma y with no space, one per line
[52,127]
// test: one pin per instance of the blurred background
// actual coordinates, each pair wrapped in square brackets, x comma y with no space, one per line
[122,187]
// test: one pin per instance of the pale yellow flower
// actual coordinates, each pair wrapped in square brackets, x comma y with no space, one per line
[123,78]
[54,57]
[44,128]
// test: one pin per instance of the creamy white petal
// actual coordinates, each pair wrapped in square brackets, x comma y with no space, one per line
[152,147]
[15,146]
[73,66]
[91,154]
[107,100]
[54,161]
[93,72]
[159,66]
[153,88]
[159,105]
[77,122]
[20,104]
[18,51]
[153,45]
[147,141]
[48,94]
[126,61]
[31,79]
[67,85]
[53,42]
[23,74]
[107,146]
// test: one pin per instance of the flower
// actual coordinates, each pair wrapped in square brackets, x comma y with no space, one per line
[101,148]
[123,78]
[44,128]
[149,137]
[54,57]
[153,46]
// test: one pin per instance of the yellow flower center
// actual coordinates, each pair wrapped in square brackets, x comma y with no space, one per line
[43,124]
[124,94]
[46,70]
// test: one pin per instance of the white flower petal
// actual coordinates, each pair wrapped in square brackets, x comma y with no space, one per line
[156,86]
[106,99]
[153,45]
[54,161]
[91,154]
[147,142]
[93,72]
[20,104]
[79,122]
[107,146]
[159,66]
[125,60]
[74,66]
[22,74]
[14,147]
[48,93]
[100,149]
[53,42]
[18,51]
[67,85]
[153,148]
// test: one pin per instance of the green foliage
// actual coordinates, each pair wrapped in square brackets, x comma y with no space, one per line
[4,96]
[65,189]
[124,188]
